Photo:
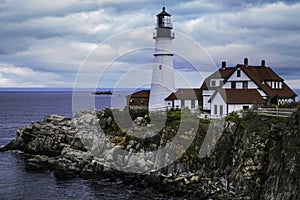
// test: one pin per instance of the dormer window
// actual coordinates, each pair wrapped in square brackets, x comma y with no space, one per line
[275,84]
[213,83]
[238,73]
[278,85]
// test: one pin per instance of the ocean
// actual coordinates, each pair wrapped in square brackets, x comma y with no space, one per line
[19,108]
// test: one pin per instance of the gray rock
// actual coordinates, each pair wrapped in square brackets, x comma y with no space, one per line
[140,121]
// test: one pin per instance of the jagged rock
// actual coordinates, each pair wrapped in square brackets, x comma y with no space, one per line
[257,159]
[39,163]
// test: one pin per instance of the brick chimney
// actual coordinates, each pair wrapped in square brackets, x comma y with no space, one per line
[263,63]
[223,64]
[246,62]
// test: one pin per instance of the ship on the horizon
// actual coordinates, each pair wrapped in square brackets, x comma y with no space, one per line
[107,92]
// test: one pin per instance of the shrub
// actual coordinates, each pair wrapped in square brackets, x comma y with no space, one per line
[234,117]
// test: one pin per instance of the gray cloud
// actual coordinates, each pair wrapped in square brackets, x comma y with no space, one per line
[55,36]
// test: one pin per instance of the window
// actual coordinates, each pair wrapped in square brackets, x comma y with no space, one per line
[221,110]
[233,85]
[182,103]
[216,109]
[142,102]
[245,108]
[213,83]
[276,84]
[221,82]
[193,104]
[238,73]
[160,67]
[132,101]
[245,85]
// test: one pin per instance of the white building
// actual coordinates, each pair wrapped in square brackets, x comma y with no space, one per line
[163,81]
[225,101]
[184,98]
[242,87]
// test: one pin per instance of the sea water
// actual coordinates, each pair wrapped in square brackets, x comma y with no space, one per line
[19,109]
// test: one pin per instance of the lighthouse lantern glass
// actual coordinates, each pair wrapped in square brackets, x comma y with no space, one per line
[164,22]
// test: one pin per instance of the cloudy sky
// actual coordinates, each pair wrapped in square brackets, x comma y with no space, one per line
[105,43]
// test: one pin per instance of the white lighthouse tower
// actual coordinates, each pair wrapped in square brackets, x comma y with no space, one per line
[163,82]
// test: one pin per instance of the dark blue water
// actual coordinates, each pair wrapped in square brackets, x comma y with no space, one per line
[21,108]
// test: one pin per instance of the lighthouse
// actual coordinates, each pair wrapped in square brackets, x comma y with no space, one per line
[163,82]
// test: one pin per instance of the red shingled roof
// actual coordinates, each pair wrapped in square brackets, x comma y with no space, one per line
[261,74]
[140,94]
[188,94]
[240,96]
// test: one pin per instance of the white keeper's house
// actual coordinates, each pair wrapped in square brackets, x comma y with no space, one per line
[243,87]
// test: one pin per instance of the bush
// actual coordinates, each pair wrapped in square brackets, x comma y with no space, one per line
[135,113]
[233,117]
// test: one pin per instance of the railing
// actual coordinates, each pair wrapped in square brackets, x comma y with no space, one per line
[160,109]
[275,112]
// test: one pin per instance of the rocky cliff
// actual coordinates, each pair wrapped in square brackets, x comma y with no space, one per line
[254,158]
[260,156]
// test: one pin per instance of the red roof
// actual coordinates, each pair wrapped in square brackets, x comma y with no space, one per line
[188,94]
[261,74]
[140,94]
[240,96]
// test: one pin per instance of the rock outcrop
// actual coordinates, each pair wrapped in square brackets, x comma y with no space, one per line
[260,156]
[254,158]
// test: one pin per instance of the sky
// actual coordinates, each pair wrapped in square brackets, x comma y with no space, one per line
[108,43]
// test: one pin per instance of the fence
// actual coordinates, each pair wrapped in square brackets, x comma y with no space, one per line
[275,112]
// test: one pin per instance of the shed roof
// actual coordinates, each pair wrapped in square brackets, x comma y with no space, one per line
[186,93]
[140,94]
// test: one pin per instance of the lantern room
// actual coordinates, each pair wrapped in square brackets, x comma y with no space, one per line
[164,19]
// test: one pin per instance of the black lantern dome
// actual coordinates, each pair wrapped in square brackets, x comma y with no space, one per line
[164,19]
